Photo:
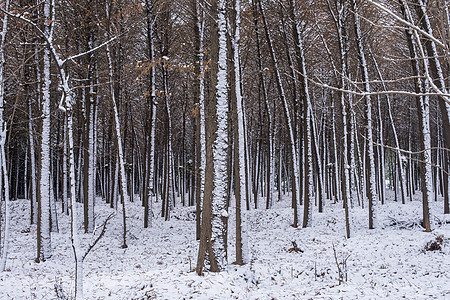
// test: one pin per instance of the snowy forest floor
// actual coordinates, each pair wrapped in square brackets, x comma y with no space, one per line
[385,263]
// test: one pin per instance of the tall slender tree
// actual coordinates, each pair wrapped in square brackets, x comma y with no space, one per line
[215,214]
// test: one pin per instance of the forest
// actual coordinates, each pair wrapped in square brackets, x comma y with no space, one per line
[199,120]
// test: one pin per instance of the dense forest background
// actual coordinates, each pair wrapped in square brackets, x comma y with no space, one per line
[118,101]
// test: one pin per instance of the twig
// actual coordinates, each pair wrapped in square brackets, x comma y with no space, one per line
[92,244]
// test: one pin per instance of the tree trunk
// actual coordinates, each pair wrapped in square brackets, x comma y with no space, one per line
[281,94]
[215,215]
[44,246]
[422,102]
[370,152]
[242,255]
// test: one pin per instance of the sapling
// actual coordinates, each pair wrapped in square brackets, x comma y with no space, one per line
[341,266]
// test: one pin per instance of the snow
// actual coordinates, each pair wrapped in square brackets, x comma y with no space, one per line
[387,262]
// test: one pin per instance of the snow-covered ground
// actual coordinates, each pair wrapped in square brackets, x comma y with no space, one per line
[385,263]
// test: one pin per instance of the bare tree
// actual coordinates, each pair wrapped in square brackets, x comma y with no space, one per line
[215,215]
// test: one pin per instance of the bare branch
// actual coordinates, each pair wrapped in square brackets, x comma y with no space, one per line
[90,51]
[409,24]
[102,233]
[437,92]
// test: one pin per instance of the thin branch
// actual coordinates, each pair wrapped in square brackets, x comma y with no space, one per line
[89,51]
[401,20]
[59,61]
[446,97]
[102,233]
[398,149]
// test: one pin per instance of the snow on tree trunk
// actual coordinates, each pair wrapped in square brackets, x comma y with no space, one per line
[122,174]
[309,178]
[215,214]
[148,214]
[343,49]
[91,171]
[270,124]
[219,215]
[423,110]
[151,163]
[202,116]
[318,162]
[336,178]
[353,151]
[370,151]
[438,77]
[242,255]
[73,204]
[44,245]
[382,181]
[287,114]
[426,157]
[199,100]
[89,145]
[170,160]
[3,171]
[65,171]
[118,134]
[33,181]
[402,175]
